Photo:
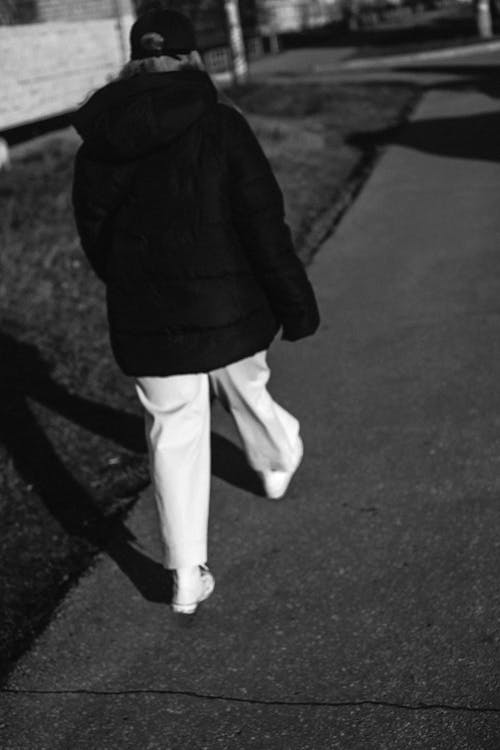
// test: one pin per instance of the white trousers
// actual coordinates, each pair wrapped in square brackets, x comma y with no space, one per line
[177,410]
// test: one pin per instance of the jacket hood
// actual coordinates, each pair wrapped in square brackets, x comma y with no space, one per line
[135,116]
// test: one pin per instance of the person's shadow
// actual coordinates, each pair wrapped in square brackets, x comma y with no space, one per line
[25,375]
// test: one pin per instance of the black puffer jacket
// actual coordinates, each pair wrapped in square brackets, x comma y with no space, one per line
[184,302]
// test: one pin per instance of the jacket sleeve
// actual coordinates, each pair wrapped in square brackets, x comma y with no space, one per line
[98,190]
[259,216]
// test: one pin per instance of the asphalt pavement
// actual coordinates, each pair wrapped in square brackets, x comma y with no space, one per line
[361,612]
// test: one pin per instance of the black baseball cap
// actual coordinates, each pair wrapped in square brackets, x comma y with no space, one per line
[162,32]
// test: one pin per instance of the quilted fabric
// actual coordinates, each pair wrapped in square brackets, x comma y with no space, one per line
[199,273]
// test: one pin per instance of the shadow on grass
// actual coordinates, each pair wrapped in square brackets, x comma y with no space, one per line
[25,375]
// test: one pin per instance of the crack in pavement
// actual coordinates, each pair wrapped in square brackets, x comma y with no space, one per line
[420,706]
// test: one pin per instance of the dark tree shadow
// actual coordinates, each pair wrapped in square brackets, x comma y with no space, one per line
[467,137]
[479,77]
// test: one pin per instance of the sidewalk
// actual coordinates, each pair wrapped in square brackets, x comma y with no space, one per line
[362,612]
[339,60]
[428,68]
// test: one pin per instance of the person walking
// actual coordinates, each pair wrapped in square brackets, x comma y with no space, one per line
[180,215]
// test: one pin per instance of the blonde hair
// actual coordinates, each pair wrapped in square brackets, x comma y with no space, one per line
[162,64]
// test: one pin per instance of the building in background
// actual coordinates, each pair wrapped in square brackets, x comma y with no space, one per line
[53,53]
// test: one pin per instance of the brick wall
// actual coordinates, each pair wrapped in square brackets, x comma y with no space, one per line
[47,68]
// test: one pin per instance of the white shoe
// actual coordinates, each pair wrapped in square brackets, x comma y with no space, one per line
[276,482]
[189,593]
